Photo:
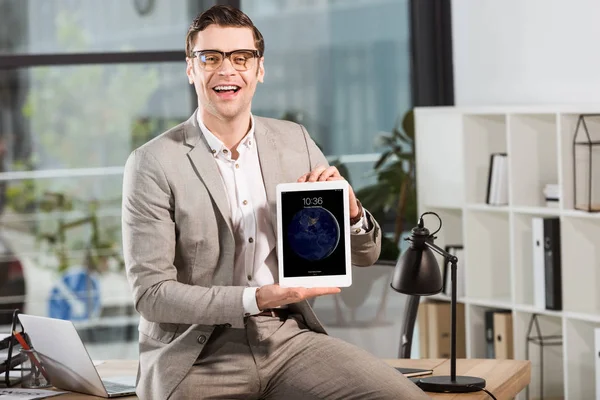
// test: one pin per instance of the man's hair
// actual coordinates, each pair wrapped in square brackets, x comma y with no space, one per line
[226,16]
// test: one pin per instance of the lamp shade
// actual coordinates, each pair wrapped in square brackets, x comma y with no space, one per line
[417,273]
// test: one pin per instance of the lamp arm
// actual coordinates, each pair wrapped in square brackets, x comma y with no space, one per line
[447,256]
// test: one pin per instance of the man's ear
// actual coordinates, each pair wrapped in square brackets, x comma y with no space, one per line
[261,70]
[189,69]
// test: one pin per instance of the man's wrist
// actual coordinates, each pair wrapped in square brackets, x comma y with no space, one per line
[249,300]
[354,220]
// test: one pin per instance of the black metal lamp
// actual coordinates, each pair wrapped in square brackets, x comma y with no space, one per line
[417,273]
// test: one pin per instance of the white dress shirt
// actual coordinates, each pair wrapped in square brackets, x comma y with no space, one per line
[255,262]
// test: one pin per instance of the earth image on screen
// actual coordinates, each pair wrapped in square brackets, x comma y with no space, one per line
[313,233]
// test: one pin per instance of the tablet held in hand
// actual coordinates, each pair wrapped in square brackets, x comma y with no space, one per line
[314,234]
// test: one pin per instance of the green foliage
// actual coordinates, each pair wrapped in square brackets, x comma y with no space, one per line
[85,234]
[394,193]
[81,117]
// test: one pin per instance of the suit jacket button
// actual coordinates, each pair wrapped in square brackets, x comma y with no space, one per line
[201,339]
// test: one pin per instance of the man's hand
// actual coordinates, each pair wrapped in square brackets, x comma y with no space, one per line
[322,174]
[272,296]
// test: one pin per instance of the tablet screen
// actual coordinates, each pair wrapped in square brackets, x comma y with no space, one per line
[313,233]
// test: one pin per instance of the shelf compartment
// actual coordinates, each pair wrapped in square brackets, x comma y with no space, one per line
[553,355]
[568,124]
[483,135]
[580,359]
[476,334]
[580,246]
[450,234]
[487,255]
[533,159]
[522,250]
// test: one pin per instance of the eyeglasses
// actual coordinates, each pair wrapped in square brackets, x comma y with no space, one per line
[241,60]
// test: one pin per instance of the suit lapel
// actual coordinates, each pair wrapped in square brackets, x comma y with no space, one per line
[268,155]
[203,161]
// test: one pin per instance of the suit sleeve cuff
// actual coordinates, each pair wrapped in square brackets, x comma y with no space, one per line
[249,301]
[362,226]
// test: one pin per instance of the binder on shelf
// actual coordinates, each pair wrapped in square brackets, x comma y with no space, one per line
[552,264]
[435,327]
[490,331]
[497,186]
[539,279]
[489,334]
[547,287]
[503,336]
[438,321]
[422,321]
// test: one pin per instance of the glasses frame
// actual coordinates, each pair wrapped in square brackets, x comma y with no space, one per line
[225,54]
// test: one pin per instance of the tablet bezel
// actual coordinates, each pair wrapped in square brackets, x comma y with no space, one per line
[344,280]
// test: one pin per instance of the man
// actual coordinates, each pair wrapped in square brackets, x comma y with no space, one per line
[200,245]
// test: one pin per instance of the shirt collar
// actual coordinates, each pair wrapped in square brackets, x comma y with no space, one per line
[217,146]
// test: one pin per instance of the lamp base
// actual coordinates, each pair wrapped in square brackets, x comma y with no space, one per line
[444,384]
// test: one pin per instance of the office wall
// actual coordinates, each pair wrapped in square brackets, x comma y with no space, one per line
[526,52]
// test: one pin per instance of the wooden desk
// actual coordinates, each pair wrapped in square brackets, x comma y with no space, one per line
[504,378]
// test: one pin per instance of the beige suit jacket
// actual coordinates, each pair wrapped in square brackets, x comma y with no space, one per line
[179,245]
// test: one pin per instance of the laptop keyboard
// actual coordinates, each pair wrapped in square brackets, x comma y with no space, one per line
[113,387]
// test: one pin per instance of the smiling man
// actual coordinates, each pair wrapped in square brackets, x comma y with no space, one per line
[199,241]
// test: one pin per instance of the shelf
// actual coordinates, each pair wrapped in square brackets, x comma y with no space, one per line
[527,308]
[580,245]
[475,332]
[500,303]
[483,135]
[584,317]
[498,240]
[522,258]
[487,255]
[568,124]
[487,207]
[448,208]
[540,211]
[581,214]
[445,297]
[533,157]
[553,378]
[580,359]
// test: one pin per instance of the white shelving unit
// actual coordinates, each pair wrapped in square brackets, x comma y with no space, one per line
[453,146]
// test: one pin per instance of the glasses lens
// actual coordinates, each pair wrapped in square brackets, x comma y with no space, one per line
[210,59]
[242,60]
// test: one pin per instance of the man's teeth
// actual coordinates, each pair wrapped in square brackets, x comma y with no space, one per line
[224,88]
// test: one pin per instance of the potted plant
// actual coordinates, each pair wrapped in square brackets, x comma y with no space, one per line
[393,197]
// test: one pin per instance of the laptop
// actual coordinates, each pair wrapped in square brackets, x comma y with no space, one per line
[66,359]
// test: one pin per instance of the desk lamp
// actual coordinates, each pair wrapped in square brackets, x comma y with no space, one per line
[417,273]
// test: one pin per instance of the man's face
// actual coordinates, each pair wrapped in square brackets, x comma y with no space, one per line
[212,86]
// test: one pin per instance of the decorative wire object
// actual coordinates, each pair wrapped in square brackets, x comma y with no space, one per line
[586,152]
[541,341]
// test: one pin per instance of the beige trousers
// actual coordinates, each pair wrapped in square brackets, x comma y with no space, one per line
[283,359]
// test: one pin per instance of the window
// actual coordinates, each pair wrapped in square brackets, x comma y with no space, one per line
[341,68]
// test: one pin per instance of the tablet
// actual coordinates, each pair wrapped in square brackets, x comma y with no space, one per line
[313,220]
